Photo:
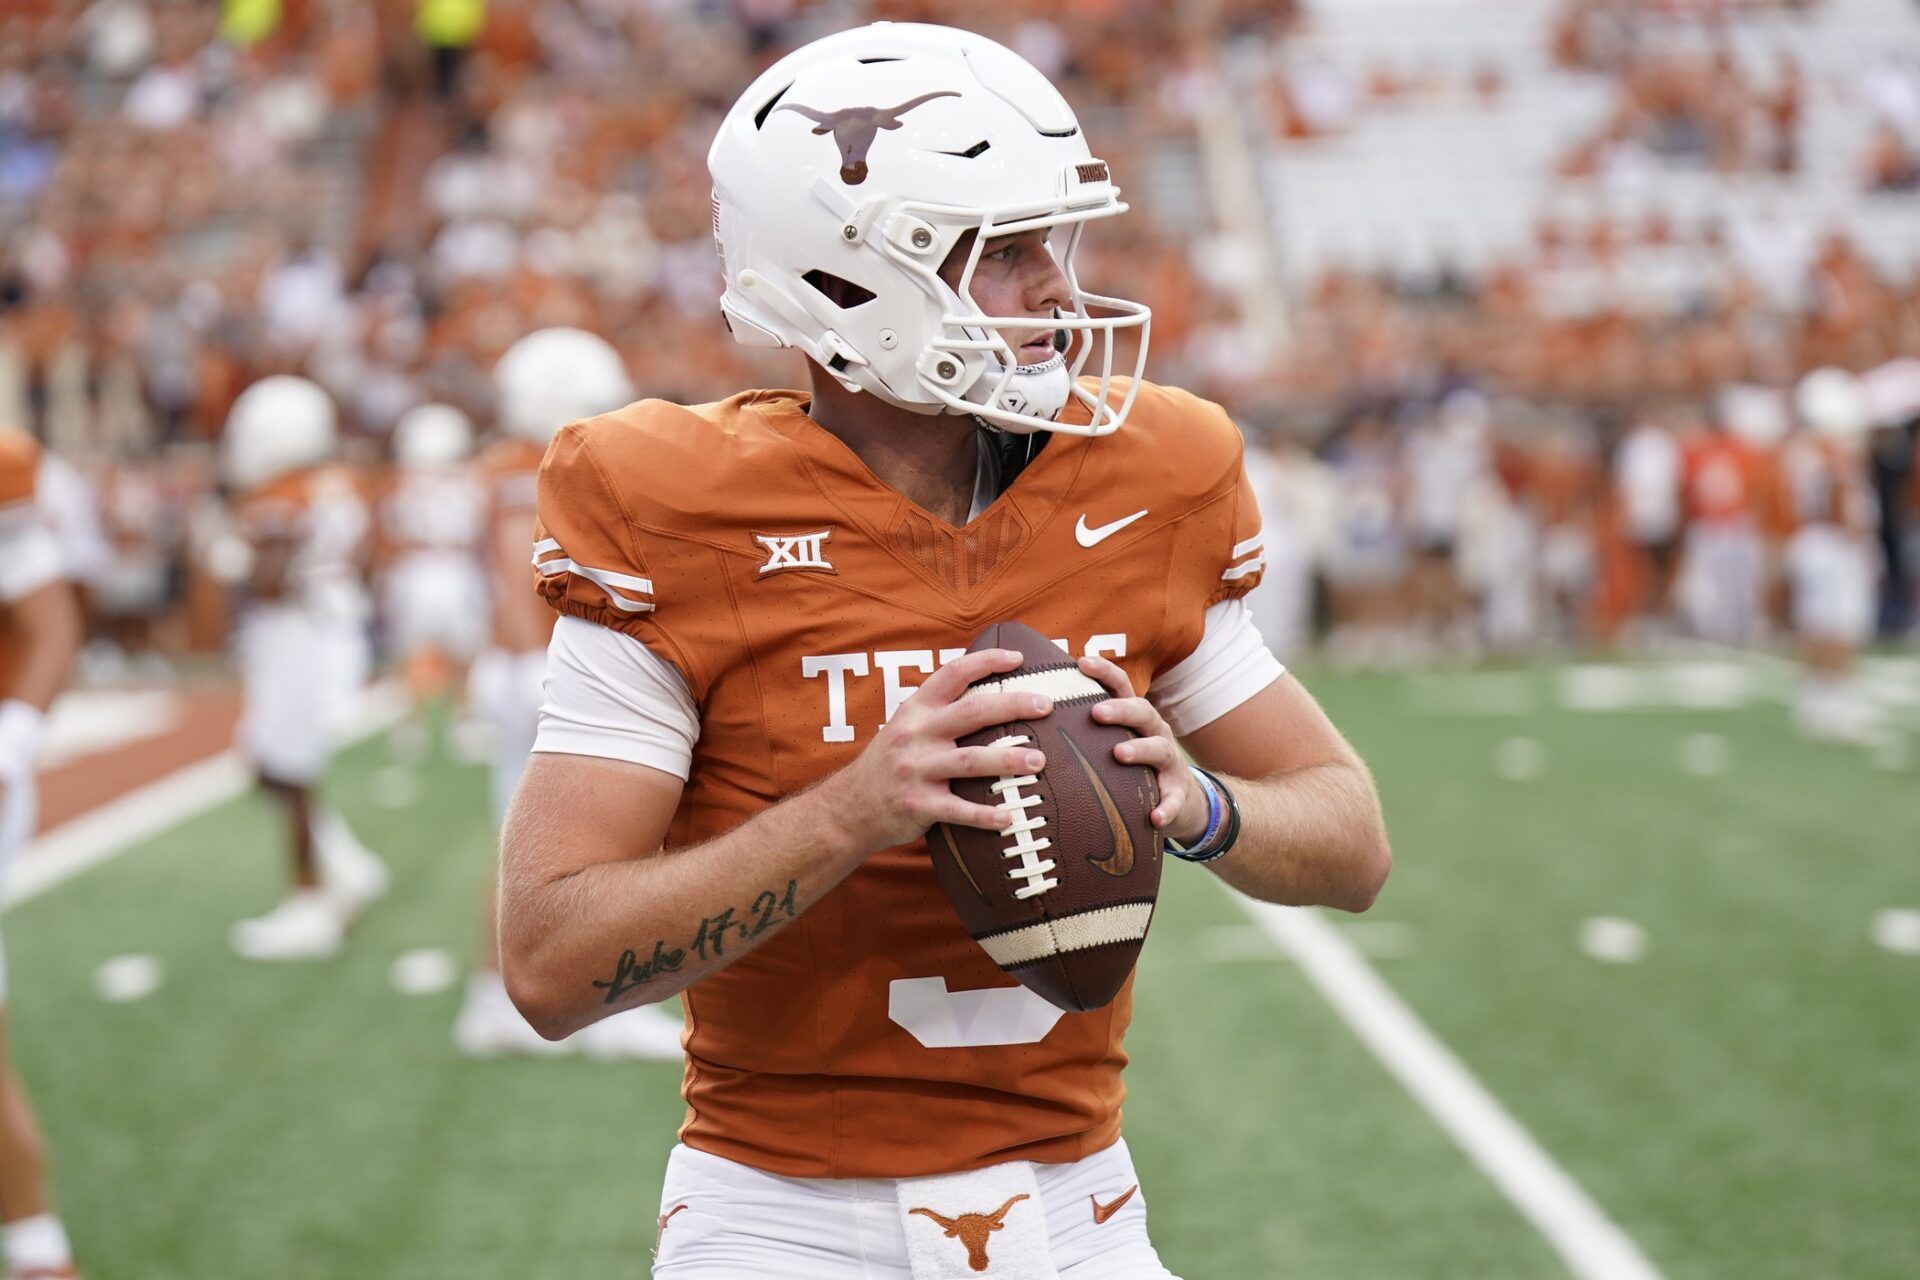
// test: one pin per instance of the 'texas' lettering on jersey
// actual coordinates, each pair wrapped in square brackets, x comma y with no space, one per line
[836,671]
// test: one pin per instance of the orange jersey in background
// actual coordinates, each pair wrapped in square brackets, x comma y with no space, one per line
[1725,480]
[324,515]
[508,473]
[802,601]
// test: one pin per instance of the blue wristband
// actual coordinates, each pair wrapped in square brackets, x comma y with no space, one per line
[1216,817]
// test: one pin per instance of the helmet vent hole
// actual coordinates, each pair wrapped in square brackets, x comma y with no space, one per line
[766,108]
[842,293]
[977,149]
[1052,133]
[871,61]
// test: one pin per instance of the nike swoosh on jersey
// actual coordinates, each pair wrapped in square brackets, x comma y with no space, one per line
[1091,537]
[1101,1212]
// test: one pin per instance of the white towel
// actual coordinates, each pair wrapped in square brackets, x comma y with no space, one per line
[965,1226]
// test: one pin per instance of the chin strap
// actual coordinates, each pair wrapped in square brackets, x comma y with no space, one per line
[1037,389]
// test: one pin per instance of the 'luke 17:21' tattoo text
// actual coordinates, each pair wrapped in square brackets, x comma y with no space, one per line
[710,941]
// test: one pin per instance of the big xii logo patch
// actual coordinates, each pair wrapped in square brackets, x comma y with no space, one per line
[795,551]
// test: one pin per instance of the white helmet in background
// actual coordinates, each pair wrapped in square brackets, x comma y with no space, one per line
[279,424]
[1893,392]
[432,435]
[865,157]
[1831,402]
[555,376]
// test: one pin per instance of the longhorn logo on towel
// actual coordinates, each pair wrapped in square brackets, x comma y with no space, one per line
[972,1229]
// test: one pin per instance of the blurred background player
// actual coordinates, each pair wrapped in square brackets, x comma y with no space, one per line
[430,526]
[303,651]
[41,631]
[1646,480]
[1723,569]
[545,380]
[1831,563]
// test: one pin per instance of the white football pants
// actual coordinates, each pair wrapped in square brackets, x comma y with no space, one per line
[725,1221]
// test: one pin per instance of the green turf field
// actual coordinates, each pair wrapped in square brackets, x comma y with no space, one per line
[1741,1099]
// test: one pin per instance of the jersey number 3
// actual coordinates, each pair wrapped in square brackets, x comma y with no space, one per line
[943,1019]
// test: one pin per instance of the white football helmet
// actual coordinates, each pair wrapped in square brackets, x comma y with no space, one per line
[1893,392]
[279,424]
[866,156]
[1830,401]
[432,435]
[555,376]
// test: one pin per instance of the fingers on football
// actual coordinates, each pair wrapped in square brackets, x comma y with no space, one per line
[1107,674]
[1154,752]
[984,710]
[1173,797]
[1135,713]
[985,762]
[952,679]
[953,810]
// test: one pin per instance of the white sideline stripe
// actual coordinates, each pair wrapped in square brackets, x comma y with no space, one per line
[1095,928]
[1062,685]
[1592,1245]
[109,830]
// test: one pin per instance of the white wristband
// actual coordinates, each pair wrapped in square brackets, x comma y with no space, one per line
[20,726]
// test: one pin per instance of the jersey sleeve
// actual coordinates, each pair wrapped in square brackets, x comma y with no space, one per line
[608,695]
[1243,554]
[587,553]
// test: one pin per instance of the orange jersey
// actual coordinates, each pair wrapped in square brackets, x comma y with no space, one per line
[802,601]
[1724,480]
[322,515]
[508,473]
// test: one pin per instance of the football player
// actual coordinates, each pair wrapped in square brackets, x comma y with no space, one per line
[753,692]
[1832,564]
[39,632]
[546,379]
[302,646]
[429,531]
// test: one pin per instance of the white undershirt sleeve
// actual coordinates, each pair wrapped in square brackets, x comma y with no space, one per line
[608,695]
[1229,665]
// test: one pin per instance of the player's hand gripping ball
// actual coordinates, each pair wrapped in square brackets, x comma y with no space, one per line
[1060,896]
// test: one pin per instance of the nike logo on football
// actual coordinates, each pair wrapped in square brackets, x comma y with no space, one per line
[1120,861]
[1101,1212]
[1093,537]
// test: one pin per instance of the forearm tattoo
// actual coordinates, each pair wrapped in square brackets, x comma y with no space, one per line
[770,910]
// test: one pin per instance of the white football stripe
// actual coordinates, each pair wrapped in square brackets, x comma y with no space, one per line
[1097,928]
[606,579]
[1062,685]
[1251,544]
[1254,565]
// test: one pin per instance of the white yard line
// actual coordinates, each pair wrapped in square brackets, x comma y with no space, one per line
[1590,1243]
[109,830]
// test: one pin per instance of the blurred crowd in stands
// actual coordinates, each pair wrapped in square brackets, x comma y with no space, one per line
[383,194]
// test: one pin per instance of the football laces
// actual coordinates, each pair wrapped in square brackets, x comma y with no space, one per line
[1020,828]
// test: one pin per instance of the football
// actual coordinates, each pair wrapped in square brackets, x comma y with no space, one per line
[1061,896]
